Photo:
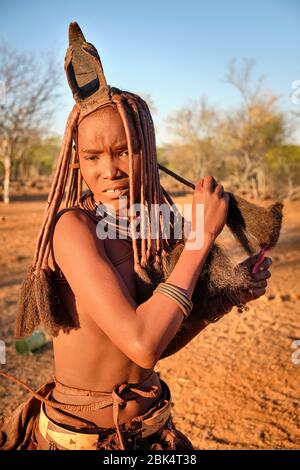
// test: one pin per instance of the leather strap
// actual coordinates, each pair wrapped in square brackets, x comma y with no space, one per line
[152,421]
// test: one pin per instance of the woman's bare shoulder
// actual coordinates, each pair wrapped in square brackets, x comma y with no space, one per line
[71,217]
[72,213]
[74,230]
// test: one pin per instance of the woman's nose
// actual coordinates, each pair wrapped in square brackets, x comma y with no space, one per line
[109,167]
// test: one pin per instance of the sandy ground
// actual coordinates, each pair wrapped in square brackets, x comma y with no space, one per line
[234,386]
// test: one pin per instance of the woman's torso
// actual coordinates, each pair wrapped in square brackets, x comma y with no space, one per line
[87,359]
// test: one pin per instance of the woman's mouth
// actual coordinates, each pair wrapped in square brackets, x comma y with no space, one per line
[115,193]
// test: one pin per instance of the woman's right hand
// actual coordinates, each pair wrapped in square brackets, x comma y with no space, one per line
[211,194]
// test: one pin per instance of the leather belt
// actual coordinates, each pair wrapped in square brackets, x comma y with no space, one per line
[151,422]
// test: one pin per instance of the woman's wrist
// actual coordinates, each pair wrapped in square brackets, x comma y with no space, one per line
[197,257]
[197,244]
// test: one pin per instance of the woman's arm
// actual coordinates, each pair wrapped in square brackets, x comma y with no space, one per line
[193,325]
[140,332]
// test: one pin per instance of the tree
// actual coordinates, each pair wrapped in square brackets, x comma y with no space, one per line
[284,162]
[250,130]
[150,102]
[40,158]
[194,129]
[30,101]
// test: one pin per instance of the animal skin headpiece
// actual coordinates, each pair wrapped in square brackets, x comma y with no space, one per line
[85,73]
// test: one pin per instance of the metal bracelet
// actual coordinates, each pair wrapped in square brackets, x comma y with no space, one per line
[178,302]
[179,292]
[177,295]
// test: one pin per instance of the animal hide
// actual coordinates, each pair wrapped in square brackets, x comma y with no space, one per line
[254,227]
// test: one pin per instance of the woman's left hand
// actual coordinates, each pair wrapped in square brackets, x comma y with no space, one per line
[258,280]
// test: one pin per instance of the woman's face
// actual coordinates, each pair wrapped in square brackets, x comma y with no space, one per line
[104,158]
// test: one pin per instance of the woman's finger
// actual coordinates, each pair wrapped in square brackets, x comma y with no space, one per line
[209,182]
[259,292]
[265,264]
[199,184]
[256,284]
[250,261]
[219,189]
[255,293]
[261,275]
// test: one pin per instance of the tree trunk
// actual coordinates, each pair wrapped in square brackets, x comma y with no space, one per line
[6,154]
[6,183]
[261,180]
[290,187]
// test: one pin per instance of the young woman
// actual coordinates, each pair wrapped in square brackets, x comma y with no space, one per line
[107,334]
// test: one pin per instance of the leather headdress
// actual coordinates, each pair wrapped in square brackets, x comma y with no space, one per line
[85,73]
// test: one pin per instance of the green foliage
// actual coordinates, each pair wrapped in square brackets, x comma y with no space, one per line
[286,155]
[39,158]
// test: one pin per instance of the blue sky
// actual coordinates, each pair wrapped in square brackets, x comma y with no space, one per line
[173,50]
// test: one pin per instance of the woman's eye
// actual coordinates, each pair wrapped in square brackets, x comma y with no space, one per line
[93,157]
[124,153]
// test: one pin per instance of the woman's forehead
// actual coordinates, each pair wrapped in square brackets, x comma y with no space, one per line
[102,117]
[105,124]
